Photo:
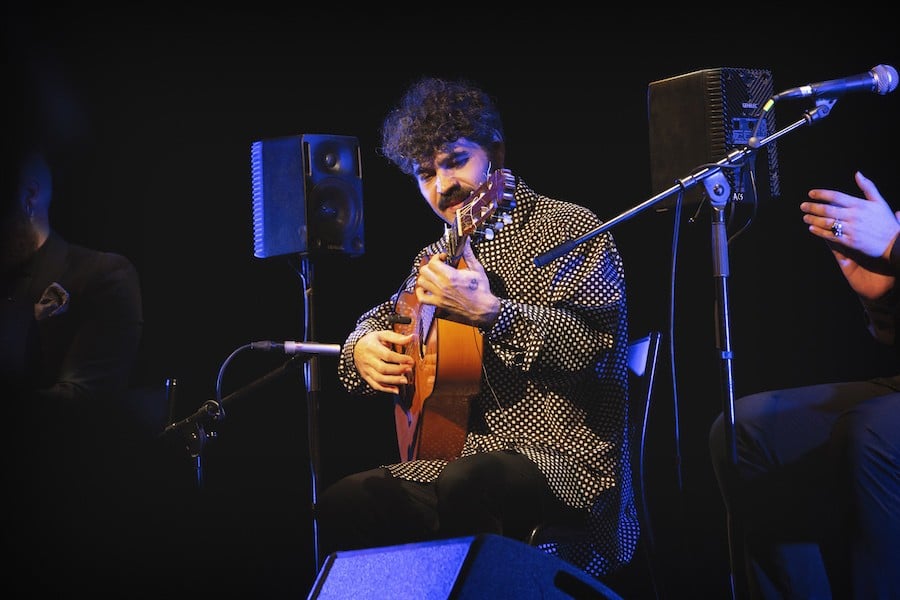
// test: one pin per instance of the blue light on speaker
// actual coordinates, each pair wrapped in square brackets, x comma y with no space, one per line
[279,206]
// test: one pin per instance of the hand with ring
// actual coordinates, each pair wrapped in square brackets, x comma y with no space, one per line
[865,224]
[861,232]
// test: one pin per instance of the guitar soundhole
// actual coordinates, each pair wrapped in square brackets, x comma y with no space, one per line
[423,327]
[407,393]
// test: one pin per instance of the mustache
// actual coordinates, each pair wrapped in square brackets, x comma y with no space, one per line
[453,196]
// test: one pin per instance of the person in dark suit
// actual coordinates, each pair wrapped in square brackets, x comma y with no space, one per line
[70,329]
[816,488]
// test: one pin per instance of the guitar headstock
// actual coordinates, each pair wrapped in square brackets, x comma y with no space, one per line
[487,204]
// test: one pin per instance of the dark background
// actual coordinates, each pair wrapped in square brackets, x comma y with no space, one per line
[153,111]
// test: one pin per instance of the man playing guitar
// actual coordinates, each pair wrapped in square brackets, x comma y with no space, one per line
[510,379]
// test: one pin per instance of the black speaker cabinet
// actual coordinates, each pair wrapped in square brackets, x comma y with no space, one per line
[307,195]
[699,118]
[470,568]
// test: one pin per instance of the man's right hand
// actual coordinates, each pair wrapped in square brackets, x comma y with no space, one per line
[379,364]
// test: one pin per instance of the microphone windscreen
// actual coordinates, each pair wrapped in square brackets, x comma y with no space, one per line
[885,79]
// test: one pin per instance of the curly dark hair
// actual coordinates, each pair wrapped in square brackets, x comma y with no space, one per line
[434,112]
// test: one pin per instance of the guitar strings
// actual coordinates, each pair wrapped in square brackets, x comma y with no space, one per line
[487,380]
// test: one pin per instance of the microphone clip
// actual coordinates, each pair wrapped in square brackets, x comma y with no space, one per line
[193,429]
[821,110]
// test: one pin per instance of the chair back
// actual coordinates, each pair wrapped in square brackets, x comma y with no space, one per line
[643,354]
[642,359]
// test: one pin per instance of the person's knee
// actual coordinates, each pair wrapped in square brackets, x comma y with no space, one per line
[751,413]
[460,481]
[749,416]
[474,480]
[345,495]
[331,500]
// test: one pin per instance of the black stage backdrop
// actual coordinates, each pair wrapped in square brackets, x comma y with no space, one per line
[154,112]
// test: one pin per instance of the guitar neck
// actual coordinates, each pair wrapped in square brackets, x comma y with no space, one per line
[455,244]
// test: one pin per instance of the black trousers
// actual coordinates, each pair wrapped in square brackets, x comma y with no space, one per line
[815,496]
[498,492]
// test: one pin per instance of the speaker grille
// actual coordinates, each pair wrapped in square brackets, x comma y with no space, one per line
[279,207]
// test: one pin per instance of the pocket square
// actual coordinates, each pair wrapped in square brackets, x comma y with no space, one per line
[54,301]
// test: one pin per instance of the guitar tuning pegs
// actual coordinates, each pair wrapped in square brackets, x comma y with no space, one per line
[484,234]
[499,221]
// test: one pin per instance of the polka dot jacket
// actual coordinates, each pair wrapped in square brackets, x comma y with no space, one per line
[554,383]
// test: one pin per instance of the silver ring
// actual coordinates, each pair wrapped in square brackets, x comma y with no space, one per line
[837,228]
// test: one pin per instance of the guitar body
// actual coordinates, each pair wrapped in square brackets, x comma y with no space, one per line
[432,411]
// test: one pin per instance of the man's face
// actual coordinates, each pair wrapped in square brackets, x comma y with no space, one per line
[455,173]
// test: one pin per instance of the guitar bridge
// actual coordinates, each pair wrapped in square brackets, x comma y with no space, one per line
[398,319]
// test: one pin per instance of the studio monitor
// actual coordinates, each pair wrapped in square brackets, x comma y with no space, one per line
[698,118]
[468,568]
[307,195]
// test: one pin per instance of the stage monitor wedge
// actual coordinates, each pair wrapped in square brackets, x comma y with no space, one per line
[467,568]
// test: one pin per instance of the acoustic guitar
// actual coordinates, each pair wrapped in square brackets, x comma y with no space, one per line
[432,410]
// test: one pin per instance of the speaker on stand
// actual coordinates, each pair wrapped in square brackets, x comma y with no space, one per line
[307,195]
[307,200]
[696,120]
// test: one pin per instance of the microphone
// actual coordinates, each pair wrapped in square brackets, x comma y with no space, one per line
[298,347]
[881,79]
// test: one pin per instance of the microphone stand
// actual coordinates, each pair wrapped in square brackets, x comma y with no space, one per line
[195,429]
[719,191]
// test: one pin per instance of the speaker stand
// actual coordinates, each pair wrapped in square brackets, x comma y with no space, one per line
[311,379]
